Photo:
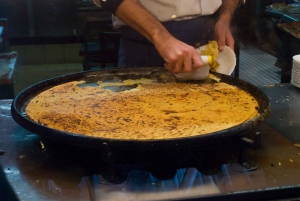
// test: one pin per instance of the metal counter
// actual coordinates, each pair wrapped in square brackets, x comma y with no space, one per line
[34,172]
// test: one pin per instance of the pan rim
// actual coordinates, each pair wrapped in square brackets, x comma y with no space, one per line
[90,141]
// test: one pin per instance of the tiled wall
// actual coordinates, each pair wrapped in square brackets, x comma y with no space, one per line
[48,54]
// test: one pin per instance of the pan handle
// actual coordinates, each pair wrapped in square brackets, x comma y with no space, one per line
[105,153]
[253,144]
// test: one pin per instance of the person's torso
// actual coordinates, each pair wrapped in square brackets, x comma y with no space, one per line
[166,10]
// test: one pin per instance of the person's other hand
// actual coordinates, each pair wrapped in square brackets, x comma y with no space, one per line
[223,35]
[179,56]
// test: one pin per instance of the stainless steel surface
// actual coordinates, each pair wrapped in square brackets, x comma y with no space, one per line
[278,167]
[34,173]
[285,15]
[285,110]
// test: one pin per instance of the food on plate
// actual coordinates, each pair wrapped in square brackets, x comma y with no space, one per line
[150,111]
[212,50]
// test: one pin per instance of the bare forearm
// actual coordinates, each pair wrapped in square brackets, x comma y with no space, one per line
[222,28]
[135,15]
[227,10]
[178,56]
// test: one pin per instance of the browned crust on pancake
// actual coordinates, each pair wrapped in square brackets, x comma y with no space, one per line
[155,111]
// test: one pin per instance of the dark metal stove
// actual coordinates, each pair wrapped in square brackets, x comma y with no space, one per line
[164,164]
[49,171]
[117,166]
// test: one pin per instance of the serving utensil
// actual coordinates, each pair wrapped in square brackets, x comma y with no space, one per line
[226,59]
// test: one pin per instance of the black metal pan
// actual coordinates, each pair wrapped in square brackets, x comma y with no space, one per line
[20,101]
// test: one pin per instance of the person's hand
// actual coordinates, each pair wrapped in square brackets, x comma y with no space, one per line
[223,35]
[179,56]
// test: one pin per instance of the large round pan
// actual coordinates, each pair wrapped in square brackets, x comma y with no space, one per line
[19,115]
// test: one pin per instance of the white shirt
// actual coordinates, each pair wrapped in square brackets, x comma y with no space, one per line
[166,10]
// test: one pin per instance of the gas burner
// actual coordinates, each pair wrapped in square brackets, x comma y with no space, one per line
[112,177]
[115,166]
[164,164]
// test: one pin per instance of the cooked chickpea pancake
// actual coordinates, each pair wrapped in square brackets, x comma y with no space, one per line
[150,111]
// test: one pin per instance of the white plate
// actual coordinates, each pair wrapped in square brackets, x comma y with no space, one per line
[198,74]
[295,79]
[295,84]
[296,66]
[296,58]
[295,70]
[226,59]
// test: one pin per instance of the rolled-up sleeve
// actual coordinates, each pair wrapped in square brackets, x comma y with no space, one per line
[109,5]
